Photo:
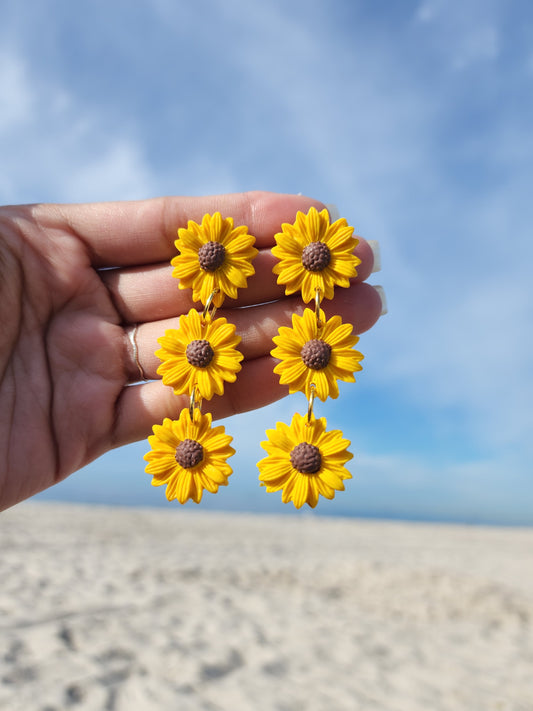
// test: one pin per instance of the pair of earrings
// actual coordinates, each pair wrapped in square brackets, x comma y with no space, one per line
[214,259]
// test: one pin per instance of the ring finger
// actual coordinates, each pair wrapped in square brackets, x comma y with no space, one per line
[360,305]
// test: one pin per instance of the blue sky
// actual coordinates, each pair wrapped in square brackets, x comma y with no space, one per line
[414,118]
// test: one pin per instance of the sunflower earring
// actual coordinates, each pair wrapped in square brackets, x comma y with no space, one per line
[304,460]
[188,455]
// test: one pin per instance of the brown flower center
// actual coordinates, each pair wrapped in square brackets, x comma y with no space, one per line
[199,353]
[211,256]
[316,256]
[316,354]
[306,458]
[189,453]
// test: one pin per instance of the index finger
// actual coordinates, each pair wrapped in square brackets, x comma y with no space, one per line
[118,234]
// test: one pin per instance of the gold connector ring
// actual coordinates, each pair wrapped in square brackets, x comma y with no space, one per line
[194,403]
[311,402]
[208,304]
[318,300]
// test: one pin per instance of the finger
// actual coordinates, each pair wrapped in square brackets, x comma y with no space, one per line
[140,406]
[257,325]
[143,232]
[152,293]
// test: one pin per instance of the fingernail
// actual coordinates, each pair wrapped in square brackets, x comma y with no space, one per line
[374,246]
[334,213]
[381,292]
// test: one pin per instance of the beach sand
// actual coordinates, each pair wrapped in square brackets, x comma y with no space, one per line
[136,610]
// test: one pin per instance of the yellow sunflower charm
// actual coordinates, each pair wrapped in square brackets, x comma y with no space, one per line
[200,354]
[188,456]
[316,352]
[315,254]
[213,257]
[304,460]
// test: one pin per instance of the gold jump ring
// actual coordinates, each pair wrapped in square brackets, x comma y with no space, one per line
[194,403]
[317,307]
[311,401]
[208,304]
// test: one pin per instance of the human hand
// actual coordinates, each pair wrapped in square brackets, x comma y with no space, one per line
[74,281]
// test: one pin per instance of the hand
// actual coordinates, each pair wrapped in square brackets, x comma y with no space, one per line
[74,279]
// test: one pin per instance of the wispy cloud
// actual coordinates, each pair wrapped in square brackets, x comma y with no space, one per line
[55,149]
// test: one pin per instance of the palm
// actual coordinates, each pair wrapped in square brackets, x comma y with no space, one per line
[65,367]
[73,280]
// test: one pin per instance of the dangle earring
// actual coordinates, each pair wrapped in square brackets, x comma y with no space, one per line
[188,455]
[305,460]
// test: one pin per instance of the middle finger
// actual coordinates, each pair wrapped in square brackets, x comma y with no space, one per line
[151,293]
[360,305]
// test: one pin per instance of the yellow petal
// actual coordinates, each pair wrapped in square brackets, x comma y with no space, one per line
[241,245]
[226,285]
[312,491]
[281,437]
[164,434]
[287,245]
[277,478]
[318,377]
[205,383]
[289,485]
[300,491]
[343,268]
[188,241]
[214,474]
[340,238]
[205,482]
[295,372]
[291,274]
[335,332]
[325,489]
[310,283]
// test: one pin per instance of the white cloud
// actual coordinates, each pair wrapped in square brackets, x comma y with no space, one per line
[117,170]
[56,149]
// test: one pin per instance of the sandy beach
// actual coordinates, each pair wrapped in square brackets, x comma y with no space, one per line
[136,610]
